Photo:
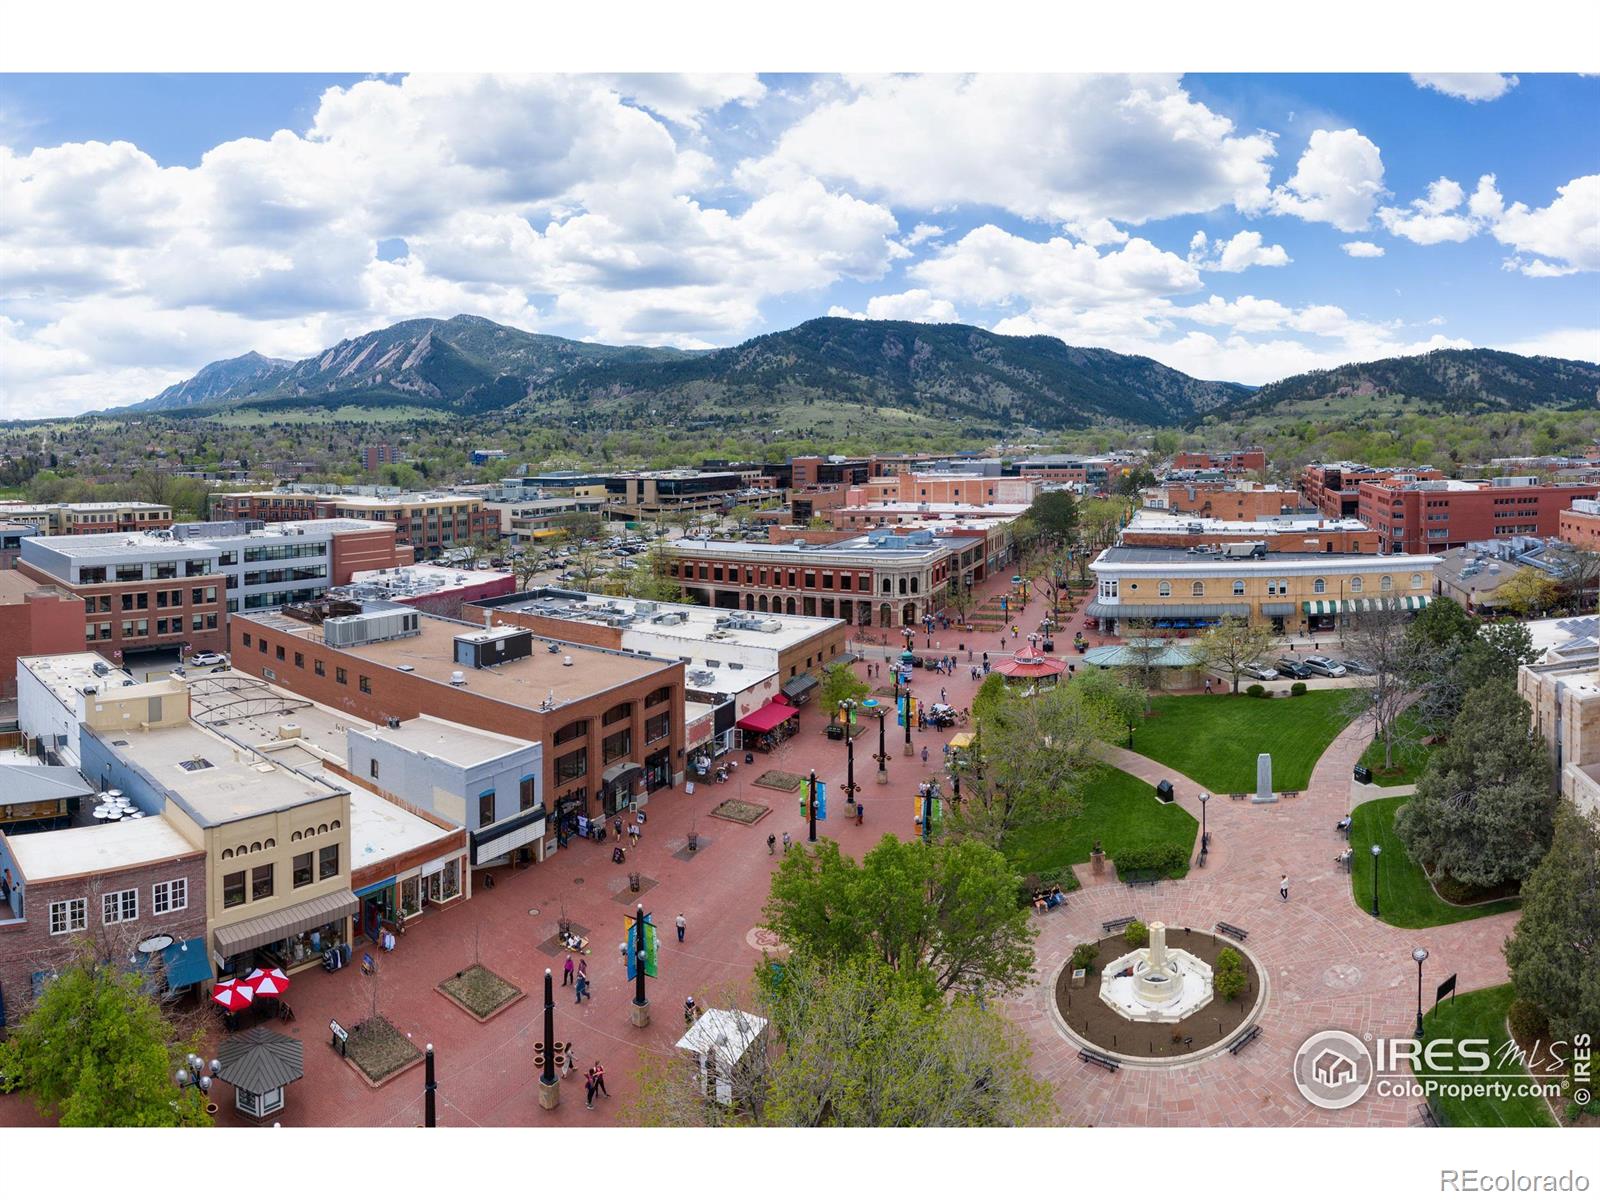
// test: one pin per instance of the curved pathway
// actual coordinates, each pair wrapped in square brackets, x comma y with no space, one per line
[1329,964]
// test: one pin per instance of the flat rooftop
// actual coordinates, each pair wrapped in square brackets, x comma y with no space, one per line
[1165,520]
[66,675]
[117,545]
[14,586]
[867,548]
[690,622]
[221,782]
[524,682]
[420,580]
[97,849]
[1152,555]
[459,744]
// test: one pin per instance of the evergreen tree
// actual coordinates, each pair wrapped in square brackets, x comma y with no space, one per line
[1483,808]
[1554,954]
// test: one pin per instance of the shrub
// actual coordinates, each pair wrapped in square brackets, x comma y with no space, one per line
[1165,857]
[1084,954]
[1228,976]
[1137,935]
[1256,690]
[1528,1022]
[1297,688]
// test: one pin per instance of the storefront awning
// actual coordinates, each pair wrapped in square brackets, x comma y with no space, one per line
[845,659]
[617,770]
[1361,604]
[767,718]
[505,836]
[285,922]
[800,685]
[187,963]
[1277,610]
[375,887]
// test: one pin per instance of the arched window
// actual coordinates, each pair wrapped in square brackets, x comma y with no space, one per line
[295,836]
[1164,587]
[1355,583]
[1416,581]
[271,843]
[227,854]
[335,825]
[1238,587]
[1199,588]
[1386,583]
[322,829]
[1319,586]
[255,847]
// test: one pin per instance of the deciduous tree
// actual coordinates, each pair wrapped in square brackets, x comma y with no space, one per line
[1528,592]
[1381,638]
[1231,644]
[1554,953]
[840,683]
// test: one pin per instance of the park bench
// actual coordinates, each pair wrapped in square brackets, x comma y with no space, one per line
[1117,923]
[1143,877]
[1290,795]
[1244,1039]
[1236,796]
[1232,931]
[1099,1060]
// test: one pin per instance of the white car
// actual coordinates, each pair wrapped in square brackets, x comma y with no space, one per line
[208,659]
[1322,665]
[1255,670]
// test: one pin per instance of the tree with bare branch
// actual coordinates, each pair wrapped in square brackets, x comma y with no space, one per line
[1380,638]
[1232,644]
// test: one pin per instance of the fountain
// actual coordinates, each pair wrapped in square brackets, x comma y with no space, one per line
[1156,984]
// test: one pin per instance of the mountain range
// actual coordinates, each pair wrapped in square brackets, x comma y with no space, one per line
[962,373]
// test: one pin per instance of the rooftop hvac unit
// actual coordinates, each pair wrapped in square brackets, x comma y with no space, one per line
[490,647]
[566,660]
[359,629]
[288,733]
[394,722]
[458,679]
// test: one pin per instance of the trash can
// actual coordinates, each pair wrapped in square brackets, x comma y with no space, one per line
[1164,792]
[1363,774]
[1048,644]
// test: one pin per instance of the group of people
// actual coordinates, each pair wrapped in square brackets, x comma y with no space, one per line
[1044,901]
[577,975]
[594,1084]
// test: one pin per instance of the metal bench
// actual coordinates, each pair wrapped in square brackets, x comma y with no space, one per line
[1099,1060]
[1290,795]
[1237,796]
[1232,931]
[1117,923]
[1143,877]
[1244,1039]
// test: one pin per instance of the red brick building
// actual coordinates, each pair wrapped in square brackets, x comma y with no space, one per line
[35,618]
[1237,462]
[428,522]
[1425,516]
[1223,501]
[1580,525]
[1334,489]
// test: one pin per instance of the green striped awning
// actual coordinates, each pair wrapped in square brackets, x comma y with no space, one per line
[1361,604]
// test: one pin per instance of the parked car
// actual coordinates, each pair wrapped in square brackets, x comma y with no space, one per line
[209,659]
[1293,668]
[1355,666]
[1256,670]
[1321,664]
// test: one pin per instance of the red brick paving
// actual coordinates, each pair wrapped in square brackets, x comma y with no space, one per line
[1329,964]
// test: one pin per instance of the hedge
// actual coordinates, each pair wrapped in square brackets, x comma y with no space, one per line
[1166,857]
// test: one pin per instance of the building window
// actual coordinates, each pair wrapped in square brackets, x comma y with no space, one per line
[527,793]
[365,683]
[617,712]
[1355,583]
[575,730]
[1385,583]
[616,746]
[261,882]
[573,766]
[233,890]
[1199,588]
[1164,588]
[318,667]
[1108,589]
[299,661]
[246,640]
[660,696]
[117,907]
[280,653]
[327,862]
[656,728]
[302,869]
[485,808]
[1319,586]
[1416,581]
[68,916]
[169,897]
[1238,587]
[340,675]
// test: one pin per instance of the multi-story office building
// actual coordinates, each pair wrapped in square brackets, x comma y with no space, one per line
[945,488]
[35,618]
[815,470]
[1174,587]
[11,535]
[428,522]
[1223,500]
[640,495]
[879,578]
[171,588]
[1419,516]
[1579,524]
[1306,534]
[380,455]
[98,516]
[1233,462]
[610,722]
[1334,489]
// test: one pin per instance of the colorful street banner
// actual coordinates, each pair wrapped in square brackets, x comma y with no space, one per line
[822,800]
[651,943]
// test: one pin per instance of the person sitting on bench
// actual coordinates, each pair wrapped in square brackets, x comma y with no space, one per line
[1040,903]
[1344,825]
[1054,898]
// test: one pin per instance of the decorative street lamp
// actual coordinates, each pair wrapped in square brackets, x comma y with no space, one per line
[1376,850]
[882,755]
[1204,796]
[1421,956]
[811,810]
[544,1053]
[850,760]
[429,1086]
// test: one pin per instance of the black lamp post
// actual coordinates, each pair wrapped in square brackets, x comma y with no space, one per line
[811,808]
[1421,957]
[909,718]
[548,1075]
[1376,850]
[882,755]
[850,760]
[429,1086]
[927,812]
[638,957]
[1204,796]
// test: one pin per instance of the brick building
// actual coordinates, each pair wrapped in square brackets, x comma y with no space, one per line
[1313,535]
[1223,500]
[428,522]
[35,618]
[170,588]
[437,590]
[1234,462]
[1418,516]
[611,723]
[1334,489]
[950,488]
[97,516]
[1579,525]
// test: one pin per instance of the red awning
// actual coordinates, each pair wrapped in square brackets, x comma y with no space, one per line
[1031,668]
[768,717]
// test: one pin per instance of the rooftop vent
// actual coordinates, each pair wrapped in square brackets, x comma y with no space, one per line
[566,660]
[394,722]
[458,679]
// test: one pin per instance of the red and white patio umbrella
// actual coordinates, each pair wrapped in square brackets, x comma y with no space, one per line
[267,982]
[233,994]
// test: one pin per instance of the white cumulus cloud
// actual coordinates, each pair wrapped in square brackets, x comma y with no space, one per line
[1362,249]
[1240,252]
[1338,180]
[1467,86]
[918,304]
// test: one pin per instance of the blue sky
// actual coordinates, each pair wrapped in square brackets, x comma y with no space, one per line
[1233,226]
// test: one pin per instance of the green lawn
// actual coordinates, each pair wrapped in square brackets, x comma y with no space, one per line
[1214,740]
[1119,810]
[1409,757]
[1405,898]
[1482,1014]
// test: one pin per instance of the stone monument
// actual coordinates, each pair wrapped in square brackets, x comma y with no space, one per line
[1263,780]
[1156,984]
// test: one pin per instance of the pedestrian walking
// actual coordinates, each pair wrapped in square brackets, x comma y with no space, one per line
[1002,643]
[689,1011]
[581,987]
[617,825]
[772,842]
[1283,887]
[680,927]
[566,971]
[566,1060]
[924,756]
[860,812]
[786,841]
[633,836]
[583,966]
[589,1086]
[600,1079]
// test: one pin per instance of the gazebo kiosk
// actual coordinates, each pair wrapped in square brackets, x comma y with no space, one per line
[720,1041]
[260,1064]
